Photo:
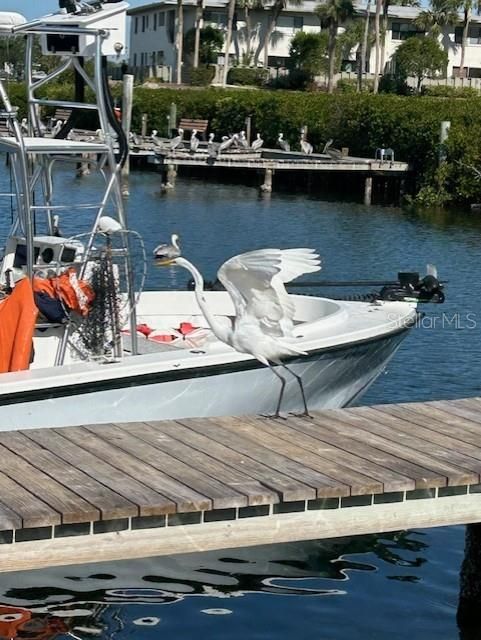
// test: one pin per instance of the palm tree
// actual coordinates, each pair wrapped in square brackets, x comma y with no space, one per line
[385,11]
[228,39]
[332,13]
[362,66]
[276,10]
[179,38]
[377,36]
[441,13]
[467,7]
[247,6]
[199,12]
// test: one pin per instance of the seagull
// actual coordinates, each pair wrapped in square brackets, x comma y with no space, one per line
[263,323]
[168,251]
[284,145]
[194,141]
[258,142]
[177,142]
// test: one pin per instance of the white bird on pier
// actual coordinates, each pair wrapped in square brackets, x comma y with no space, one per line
[264,312]
[194,141]
[56,128]
[155,139]
[24,125]
[212,147]
[227,142]
[306,147]
[258,142]
[242,140]
[177,142]
[135,139]
[284,145]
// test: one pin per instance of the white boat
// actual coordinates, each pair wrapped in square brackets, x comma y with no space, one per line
[103,367]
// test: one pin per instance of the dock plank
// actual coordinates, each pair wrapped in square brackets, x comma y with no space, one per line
[127,499]
[390,480]
[365,431]
[200,431]
[464,469]
[221,495]
[31,509]
[257,430]
[254,491]
[224,430]
[457,447]
[160,490]
[64,501]
[342,436]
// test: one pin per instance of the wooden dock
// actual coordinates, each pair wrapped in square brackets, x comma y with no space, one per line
[108,492]
[269,161]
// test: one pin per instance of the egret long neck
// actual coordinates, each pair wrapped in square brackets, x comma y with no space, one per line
[220,331]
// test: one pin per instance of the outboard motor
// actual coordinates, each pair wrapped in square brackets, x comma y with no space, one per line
[411,287]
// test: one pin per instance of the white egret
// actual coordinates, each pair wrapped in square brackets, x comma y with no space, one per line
[264,312]
[168,251]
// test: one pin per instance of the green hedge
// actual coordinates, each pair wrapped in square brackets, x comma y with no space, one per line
[362,122]
[248,76]
[444,91]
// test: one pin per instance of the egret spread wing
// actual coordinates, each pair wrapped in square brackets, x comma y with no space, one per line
[255,282]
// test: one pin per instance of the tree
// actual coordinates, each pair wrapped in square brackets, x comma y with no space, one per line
[384,28]
[199,14]
[421,58]
[308,53]
[211,41]
[365,39]
[276,10]
[179,37]
[467,7]
[228,39]
[441,14]
[247,6]
[377,35]
[332,13]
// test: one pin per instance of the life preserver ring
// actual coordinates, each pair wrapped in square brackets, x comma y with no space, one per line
[11,619]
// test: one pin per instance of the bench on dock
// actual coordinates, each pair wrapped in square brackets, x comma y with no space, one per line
[189,124]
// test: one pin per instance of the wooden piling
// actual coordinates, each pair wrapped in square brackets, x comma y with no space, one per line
[266,187]
[144,125]
[368,190]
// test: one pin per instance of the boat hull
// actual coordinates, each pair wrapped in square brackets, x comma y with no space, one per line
[332,377]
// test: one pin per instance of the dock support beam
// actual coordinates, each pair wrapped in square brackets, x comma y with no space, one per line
[368,191]
[469,607]
[267,186]
[169,177]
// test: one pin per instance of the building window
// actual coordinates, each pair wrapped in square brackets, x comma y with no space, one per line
[474,35]
[161,19]
[143,24]
[135,59]
[215,18]
[155,22]
[160,57]
[136,24]
[298,22]
[404,30]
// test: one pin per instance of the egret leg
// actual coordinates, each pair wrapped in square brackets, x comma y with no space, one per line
[298,378]
[283,384]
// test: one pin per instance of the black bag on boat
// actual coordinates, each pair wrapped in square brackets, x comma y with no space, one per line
[51,308]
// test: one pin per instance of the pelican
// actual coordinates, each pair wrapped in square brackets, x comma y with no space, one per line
[284,145]
[194,141]
[327,145]
[258,142]
[135,139]
[168,251]
[176,143]
[242,140]
[56,128]
[226,142]
[24,125]
[153,136]
[264,313]
[212,147]
[306,147]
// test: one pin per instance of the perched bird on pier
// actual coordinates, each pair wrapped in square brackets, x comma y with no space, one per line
[264,312]
[327,145]
[284,145]
[258,142]
[242,140]
[212,147]
[56,129]
[177,142]
[155,139]
[227,142]
[135,139]
[24,125]
[194,141]
[168,251]
[306,147]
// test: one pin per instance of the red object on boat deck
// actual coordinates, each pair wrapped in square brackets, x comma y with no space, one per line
[18,315]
